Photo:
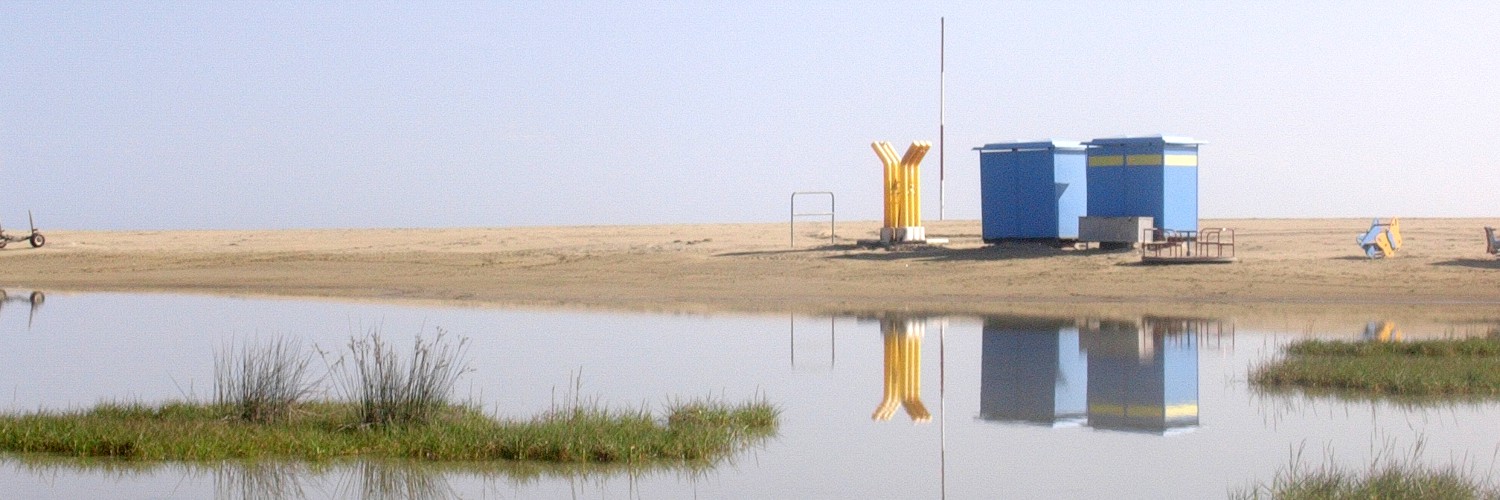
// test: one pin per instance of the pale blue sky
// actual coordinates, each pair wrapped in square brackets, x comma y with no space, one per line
[125,115]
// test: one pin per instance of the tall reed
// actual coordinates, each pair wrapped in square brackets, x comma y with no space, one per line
[389,390]
[264,379]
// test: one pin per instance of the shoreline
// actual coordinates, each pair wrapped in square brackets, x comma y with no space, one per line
[1288,268]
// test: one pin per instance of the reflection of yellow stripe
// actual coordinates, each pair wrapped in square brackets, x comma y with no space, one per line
[1182,160]
[1183,410]
[1106,161]
[1143,160]
[1173,411]
[1104,409]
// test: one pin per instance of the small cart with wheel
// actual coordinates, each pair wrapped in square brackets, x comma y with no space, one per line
[36,238]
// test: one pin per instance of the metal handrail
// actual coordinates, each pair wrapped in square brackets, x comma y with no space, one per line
[1210,243]
[792,221]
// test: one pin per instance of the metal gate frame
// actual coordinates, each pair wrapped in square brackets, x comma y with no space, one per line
[792,221]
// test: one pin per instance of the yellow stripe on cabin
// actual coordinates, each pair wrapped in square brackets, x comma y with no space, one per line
[1144,160]
[1106,161]
[1182,160]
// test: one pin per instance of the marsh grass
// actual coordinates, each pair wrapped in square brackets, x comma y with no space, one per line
[1421,369]
[696,431]
[1389,476]
[263,380]
[394,407]
[394,390]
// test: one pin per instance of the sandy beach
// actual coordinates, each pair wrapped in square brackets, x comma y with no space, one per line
[1291,271]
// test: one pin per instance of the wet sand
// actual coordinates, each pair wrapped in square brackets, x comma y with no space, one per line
[1291,273]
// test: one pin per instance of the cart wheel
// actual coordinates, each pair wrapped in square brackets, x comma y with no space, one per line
[37,240]
[3,241]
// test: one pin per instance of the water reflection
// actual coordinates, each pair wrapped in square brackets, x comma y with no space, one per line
[364,479]
[1381,331]
[1134,376]
[832,342]
[34,299]
[902,336]
[261,480]
[392,480]
[1031,371]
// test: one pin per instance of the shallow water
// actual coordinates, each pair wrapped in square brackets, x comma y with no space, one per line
[998,407]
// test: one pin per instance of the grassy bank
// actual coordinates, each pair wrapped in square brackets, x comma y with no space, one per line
[692,431]
[1393,481]
[1391,474]
[1429,368]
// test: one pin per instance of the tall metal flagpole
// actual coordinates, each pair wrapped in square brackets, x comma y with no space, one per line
[942,73]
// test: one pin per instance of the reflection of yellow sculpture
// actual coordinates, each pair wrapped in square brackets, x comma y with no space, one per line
[1384,331]
[903,369]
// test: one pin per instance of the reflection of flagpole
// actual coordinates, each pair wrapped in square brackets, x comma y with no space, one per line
[942,409]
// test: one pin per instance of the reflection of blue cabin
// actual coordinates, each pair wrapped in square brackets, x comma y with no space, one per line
[1139,381]
[1032,371]
[1145,177]
[1032,190]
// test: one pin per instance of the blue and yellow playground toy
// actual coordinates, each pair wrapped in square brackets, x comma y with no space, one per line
[1383,239]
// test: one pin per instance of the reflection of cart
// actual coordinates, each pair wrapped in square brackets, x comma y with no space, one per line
[36,298]
[36,238]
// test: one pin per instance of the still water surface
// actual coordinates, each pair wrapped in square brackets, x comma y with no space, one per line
[889,407]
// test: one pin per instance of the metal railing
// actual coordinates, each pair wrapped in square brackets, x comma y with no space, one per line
[1212,243]
[792,221]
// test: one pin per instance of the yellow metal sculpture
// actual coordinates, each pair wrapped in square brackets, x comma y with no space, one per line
[903,369]
[903,193]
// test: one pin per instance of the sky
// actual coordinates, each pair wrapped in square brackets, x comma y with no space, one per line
[271,115]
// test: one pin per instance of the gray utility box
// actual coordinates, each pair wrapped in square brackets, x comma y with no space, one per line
[1113,229]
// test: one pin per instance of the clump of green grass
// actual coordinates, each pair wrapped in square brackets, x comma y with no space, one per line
[696,431]
[263,380]
[1429,368]
[1439,348]
[1393,481]
[391,391]
[1386,478]
[393,407]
